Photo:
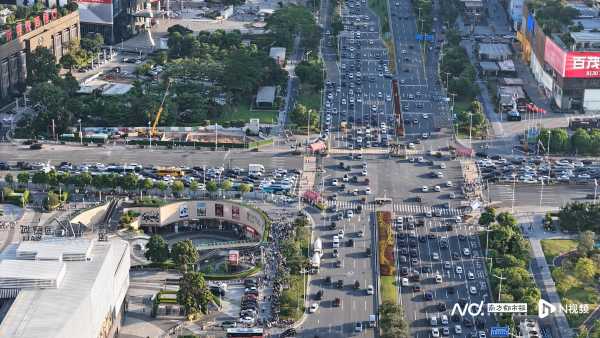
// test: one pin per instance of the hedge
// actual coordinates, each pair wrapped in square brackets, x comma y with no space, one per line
[385,244]
[187,144]
[257,144]
[240,275]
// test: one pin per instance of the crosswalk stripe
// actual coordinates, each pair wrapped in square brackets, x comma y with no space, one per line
[399,208]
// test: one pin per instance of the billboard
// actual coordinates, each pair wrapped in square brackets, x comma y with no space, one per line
[96,11]
[572,64]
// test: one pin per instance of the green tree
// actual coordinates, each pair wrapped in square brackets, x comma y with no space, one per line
[184,254]
[40,178]
[286,22]
[585,269]
[41,66]
[211,186]
[51,201]
[92,42]
[193,294]
[177,187]
[245,188]
[68,62]
[161,186]
[392,322]
[146,184]
[506,219]
[487,217]
[85,180]
[194,186]
[23,178]
[581,141]
[311,73]
[157,249]
[587,241]
[9,179]
[129,182]
[226,185]
[300,115]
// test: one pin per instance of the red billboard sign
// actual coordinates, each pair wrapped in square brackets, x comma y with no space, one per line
[572,64]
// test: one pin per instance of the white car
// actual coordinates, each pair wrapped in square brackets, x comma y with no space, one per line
[370,289]
[425,116]
[437,188]
[313,308]
[424,135]
[466,252]
[425,188]
[404,281]
[447,265]
[470,276]
[368,191]
[438,279]
[364,172]
[449,184]
[459,270]
[435,332]
[388,97]
[444,320]
[400,220]
[457,329]
[442,165]
[341,233]
[435,256]
[334,182]
[473,290]
[411,145]
[349,213]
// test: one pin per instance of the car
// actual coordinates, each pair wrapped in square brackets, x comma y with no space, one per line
[334,182]
[438,279]
[470,276]
[341,233]
[425,116]
[437,188]
[466,252]
[228,324]
[428,214]
[433,321]
[337,302]
[449,184]
[364,172]
[424,135]
[459,270]
[447,265]
[428,295]
[445,331]
[319,295]
[472,290]
[349,214]
[450,290]
[425,188]
[452,196]
[435,332]
[441,306]
[444,319]
[457,329]
[370,289]
[416,288]
[358,327]
[368,191]
[405,282]
[435,256]
[481,334]
[350,243]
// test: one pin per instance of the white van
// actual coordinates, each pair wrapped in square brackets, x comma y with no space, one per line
[372,320]
[336,241]
[433,321]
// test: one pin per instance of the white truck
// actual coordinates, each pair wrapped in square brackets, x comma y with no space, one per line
[318,247]
[256,170]
[315,262]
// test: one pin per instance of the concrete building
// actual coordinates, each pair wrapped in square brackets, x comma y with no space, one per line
[493,51]
[473,10]
[63,288]
[265,97]
[515,12]
[48,29]
[569,71]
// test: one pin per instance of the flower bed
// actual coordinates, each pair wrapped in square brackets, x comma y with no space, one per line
[385,243]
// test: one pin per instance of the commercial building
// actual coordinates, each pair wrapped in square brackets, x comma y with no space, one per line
[106,17]
[569,71]
[63,288]
[47,29]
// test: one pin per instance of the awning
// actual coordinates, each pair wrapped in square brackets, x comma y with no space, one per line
[317,146]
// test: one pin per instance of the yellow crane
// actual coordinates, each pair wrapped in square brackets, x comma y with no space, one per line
[153,131]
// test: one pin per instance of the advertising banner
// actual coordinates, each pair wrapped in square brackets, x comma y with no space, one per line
[555,56]
[218,210]
[235,212]
[184,211]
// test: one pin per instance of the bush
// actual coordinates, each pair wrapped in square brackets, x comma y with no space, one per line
[385,243]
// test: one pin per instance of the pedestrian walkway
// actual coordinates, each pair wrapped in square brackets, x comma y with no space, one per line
[368,151]
[309,171]
[399,208]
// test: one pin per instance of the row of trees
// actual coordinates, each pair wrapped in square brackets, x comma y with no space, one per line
[392,322]
[462,74]
[287,22]
[581,142]
[302,116]
[508,253]
[183,253]
[130,182]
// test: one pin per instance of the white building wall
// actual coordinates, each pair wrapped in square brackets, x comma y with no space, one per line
[540,75]
[591,100]
[515,11]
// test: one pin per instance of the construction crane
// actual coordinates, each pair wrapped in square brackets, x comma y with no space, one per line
[153,131]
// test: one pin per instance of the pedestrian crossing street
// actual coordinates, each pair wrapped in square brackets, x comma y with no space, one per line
[399,208]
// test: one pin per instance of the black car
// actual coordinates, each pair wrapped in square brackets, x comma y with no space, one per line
[428,296]
[441,306]
[368,251]
[467,322]
[4,166]
[319,295]
[350,243]
[455,255]
[416,288]
[455,318]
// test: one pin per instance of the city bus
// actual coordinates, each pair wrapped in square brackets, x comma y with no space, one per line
[245,332]
[169,171]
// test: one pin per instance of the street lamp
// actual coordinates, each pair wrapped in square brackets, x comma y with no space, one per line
[149,136]
[80,132]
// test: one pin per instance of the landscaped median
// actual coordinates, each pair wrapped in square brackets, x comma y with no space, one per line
[387,266]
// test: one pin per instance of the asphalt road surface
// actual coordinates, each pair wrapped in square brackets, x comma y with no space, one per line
[528,195]
[122,155]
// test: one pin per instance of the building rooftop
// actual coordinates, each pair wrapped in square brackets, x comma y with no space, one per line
[277,53]
[495,49]
[105,87]
[584,10]
[48,312]
[588,23]
[507,66]
[586,37]
[265,95]
[41,274]
[488,66]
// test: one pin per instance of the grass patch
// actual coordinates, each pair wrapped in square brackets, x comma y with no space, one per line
[380,7]
[292,299]
[555,247]
[309,97]
[388,289]
[389,44]
[242,112]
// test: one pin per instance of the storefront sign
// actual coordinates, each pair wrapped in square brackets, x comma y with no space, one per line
[572,64]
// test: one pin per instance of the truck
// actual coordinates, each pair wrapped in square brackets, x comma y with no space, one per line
[256,170]
[318,247]
[315,262]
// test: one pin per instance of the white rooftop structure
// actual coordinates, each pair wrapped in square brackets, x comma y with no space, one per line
[277,53]
[64,288]
[494,51]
